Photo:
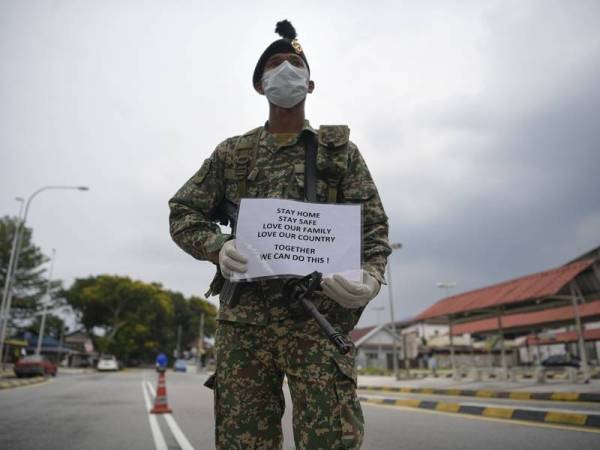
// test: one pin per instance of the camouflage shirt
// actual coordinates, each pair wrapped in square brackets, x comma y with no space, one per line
[278,172]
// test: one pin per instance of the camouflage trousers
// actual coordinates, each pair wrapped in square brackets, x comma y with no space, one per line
[249,403]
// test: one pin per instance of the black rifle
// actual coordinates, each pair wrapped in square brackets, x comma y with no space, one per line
[226,213]
[297,292]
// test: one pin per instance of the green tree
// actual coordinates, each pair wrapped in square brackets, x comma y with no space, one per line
[30,278]
[137,319]
[54,326]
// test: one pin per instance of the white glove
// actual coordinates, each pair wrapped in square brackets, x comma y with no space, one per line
[230,260]
[351,294]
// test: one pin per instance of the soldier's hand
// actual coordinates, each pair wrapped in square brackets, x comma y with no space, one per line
[351,294]
[230,260]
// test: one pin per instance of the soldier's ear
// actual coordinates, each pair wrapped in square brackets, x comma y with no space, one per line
[259,89]
[311,86]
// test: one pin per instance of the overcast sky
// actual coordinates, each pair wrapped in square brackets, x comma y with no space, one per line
[479,122]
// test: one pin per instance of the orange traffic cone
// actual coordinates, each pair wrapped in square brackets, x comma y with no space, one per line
[161,405]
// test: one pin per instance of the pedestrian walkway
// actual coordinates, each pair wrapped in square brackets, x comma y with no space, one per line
[522,385]
[555,416]
[8,382]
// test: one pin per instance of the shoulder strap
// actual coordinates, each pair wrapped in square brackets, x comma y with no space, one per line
[310,166]
[245,160]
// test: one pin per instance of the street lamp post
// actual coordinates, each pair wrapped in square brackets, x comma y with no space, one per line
[395,246]
[38,350]
[10,275]
[379,309]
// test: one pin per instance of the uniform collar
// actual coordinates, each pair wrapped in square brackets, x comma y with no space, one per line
[269,141]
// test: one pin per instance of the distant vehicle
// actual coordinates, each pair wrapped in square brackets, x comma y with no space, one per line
[108,362]
[180,365]
[561,361]
[34,365]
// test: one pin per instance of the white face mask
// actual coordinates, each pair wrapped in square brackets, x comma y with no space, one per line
[285,85]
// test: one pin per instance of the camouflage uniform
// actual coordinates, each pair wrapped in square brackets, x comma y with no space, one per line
[257,339]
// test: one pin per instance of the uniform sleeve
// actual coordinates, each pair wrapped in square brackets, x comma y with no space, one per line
[193,206]
[358,187]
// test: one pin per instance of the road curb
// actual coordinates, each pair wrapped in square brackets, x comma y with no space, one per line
[9,384]
[531,415]
[482,393]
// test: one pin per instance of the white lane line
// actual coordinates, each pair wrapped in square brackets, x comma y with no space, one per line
[151,389]
[159,440]
[177,433]
[179,436]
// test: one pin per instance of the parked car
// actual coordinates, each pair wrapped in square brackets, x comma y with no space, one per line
[561,361]
[34,365]
[108,362]
[180,365]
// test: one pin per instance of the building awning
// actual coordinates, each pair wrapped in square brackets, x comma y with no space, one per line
[554,317]
[358,333]
[564,337]
[16,342]
[530,289]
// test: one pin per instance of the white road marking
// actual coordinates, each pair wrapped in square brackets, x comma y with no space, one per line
[179,436]
[177,433]
[159,440]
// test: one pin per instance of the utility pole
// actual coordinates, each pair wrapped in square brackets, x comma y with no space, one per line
[379,309]
[201,340]
[447,285]
[178,341]
[38,350]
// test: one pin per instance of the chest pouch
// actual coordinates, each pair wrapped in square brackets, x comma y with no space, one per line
[332,157]
[240,163]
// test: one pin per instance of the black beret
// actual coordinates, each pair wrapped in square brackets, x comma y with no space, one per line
[287,44]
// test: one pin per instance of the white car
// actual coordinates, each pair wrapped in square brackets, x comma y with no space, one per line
[108,362]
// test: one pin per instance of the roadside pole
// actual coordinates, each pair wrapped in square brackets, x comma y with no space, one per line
[396,246]
[200,341]
[38,350]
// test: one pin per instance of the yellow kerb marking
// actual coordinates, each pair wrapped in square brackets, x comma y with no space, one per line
[520,395]
[484,394]
[565,396]
[447,407]
[405,390]
[499,413]
[452,392]
[426,391]
[570,418]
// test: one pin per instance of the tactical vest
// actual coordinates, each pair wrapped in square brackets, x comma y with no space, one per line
[332,160]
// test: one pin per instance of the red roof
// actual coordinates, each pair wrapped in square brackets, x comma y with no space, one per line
[358,333]
[564,337]
[530,287]
[548,316]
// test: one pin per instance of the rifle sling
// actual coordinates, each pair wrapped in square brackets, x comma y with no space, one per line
[310,166]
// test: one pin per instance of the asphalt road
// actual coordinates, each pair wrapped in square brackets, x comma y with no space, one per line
[108,411]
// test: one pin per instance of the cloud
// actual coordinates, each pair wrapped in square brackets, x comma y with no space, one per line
[477,120]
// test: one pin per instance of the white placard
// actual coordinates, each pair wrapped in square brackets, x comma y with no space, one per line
[288,237]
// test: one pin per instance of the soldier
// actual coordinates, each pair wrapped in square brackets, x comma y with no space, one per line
[258,339]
